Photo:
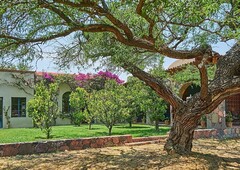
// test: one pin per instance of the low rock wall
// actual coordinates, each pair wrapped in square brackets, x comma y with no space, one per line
[150,138]
[62,145]
[217,133]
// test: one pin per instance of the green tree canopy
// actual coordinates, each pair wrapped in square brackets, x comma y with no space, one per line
[109,105]
[133,35]
[43,107]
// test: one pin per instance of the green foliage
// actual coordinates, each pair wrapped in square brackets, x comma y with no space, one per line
[191,74]
[78,118]
[7,117]
[204,118]
[109,104]
[179,25]
[229,117]
[43,107]
[146,100]
[78,103]
[154,106]
[134,96]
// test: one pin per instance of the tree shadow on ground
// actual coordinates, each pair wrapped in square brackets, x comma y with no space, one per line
[136,157]
[216,162]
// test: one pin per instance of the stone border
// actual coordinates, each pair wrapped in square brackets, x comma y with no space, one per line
[62,145]
[149,138]
[217,133]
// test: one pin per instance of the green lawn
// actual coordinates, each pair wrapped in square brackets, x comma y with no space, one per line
[68,132]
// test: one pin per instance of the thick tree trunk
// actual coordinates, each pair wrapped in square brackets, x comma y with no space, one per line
[90,126]
[181,134]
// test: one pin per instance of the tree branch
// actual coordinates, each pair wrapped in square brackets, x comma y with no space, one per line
[201,65]
[227,78]
[148,19]
[221,94]
[57,11]
[157,85]
[117,29]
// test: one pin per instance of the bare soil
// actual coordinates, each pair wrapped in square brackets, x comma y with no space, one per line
[207,154]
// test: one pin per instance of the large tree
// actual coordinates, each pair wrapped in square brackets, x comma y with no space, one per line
[131,33]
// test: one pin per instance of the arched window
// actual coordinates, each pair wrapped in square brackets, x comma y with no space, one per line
[65,102]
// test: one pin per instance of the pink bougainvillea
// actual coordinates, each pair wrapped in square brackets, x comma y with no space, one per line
[81,78]
[84,80]
[110,75]
[48,77]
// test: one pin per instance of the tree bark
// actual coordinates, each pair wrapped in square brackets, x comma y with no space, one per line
[181,134]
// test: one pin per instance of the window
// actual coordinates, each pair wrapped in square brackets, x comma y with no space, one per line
[18,107]
[65,102]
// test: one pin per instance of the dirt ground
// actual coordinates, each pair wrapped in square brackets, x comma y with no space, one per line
[207,154]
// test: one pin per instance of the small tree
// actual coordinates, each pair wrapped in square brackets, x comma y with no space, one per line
[155,107]
[43,107]
[109,104]
[136,93]
[79,107]
[146,100]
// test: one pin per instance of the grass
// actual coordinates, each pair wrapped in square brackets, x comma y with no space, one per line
[69,132]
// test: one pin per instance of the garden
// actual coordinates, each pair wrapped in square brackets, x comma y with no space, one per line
[101,98]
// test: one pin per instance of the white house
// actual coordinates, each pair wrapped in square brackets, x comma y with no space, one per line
[16,89]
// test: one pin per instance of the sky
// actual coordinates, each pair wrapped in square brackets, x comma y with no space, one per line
[47,64]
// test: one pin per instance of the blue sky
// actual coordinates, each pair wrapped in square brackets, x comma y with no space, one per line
[48,66]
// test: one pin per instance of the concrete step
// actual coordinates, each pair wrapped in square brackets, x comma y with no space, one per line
[143,143]
[151,138]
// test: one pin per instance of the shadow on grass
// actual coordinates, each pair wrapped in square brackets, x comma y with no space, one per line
[93,128]
[133,127]
[136,132]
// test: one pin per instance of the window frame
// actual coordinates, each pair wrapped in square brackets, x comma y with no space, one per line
[21,101]
[64,104]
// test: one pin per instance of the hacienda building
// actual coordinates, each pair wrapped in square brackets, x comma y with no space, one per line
[217,119]
[16,89]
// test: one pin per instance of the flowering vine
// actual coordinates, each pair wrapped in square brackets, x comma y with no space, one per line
[95,81]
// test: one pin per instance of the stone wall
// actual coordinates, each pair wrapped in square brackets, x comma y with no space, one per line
[216,119]
[217,133]
[62,145]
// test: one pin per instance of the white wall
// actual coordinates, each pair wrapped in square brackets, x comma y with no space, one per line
[9,89]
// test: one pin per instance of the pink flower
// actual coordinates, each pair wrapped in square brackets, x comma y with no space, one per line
[48,77]
[110,75]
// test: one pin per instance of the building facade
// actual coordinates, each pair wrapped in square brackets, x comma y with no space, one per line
[217,119]
[16,89]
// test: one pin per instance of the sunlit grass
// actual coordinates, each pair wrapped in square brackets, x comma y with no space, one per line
[70,132]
